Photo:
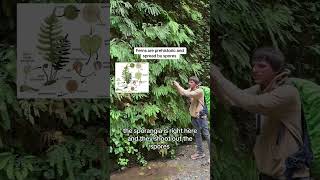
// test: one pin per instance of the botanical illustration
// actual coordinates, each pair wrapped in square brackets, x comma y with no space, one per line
[70,54]
[132,77]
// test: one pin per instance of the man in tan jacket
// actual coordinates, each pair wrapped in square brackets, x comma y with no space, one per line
[278,110]
[199,120]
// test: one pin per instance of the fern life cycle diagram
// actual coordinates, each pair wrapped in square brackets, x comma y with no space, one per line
[62,50]
[132,77]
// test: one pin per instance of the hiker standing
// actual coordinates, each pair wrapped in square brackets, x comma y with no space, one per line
[278,113]
[196,110]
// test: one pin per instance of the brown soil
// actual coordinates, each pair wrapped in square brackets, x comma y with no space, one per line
[180,168]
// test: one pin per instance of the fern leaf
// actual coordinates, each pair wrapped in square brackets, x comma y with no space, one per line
[4,161]
[68,163]
[10,167]
[5,123]
[151,110]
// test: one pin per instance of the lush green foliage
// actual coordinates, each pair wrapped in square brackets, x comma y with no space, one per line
[51,130]
[63,139]
[310,98]
[238,27]
[154,24]
[43,138]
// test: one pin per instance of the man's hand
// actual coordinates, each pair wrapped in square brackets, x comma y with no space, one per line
[175,83]
[214,72]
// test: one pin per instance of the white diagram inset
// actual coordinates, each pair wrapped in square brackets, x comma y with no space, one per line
[131,77]
[63,50]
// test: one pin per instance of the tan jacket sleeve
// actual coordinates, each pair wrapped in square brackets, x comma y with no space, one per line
[194,94]
[227,100]
[264,103]
[222,97]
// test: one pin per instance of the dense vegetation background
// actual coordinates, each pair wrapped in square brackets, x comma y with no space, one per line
[156,23]
[66,139]
[237,28]
[52,139]
[46,138]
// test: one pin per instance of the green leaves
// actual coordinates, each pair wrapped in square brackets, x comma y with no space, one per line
[126,75]
[162,91]
[315,49]
[63,48]
[194,14]
[244,30]
[60,158]
[5,119]
[275,20]
[151,110]
[154,25]
[310,99]
[90,44]
[149,8]
[238,28]
[87,108]
[32,109]
[70,12]
[50,33]
[170,33]
[120,50]
[53,46]
[16,167]
[119,7]
[7,95]
[7,102]
[31,118]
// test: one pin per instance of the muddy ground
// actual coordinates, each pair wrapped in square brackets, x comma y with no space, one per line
[180,168]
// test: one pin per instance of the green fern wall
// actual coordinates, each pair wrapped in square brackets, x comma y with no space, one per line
[155,24]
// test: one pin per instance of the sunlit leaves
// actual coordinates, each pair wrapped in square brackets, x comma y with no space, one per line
[154,26]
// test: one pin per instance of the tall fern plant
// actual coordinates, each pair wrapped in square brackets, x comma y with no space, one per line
[53,47]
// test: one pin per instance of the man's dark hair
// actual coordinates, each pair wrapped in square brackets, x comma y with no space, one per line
[271,55]
[195,79]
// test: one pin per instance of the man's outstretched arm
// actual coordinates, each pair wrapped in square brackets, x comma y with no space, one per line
[263,103]
[184,92]
[222,97]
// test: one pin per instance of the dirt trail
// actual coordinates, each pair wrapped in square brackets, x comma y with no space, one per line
[180,168]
